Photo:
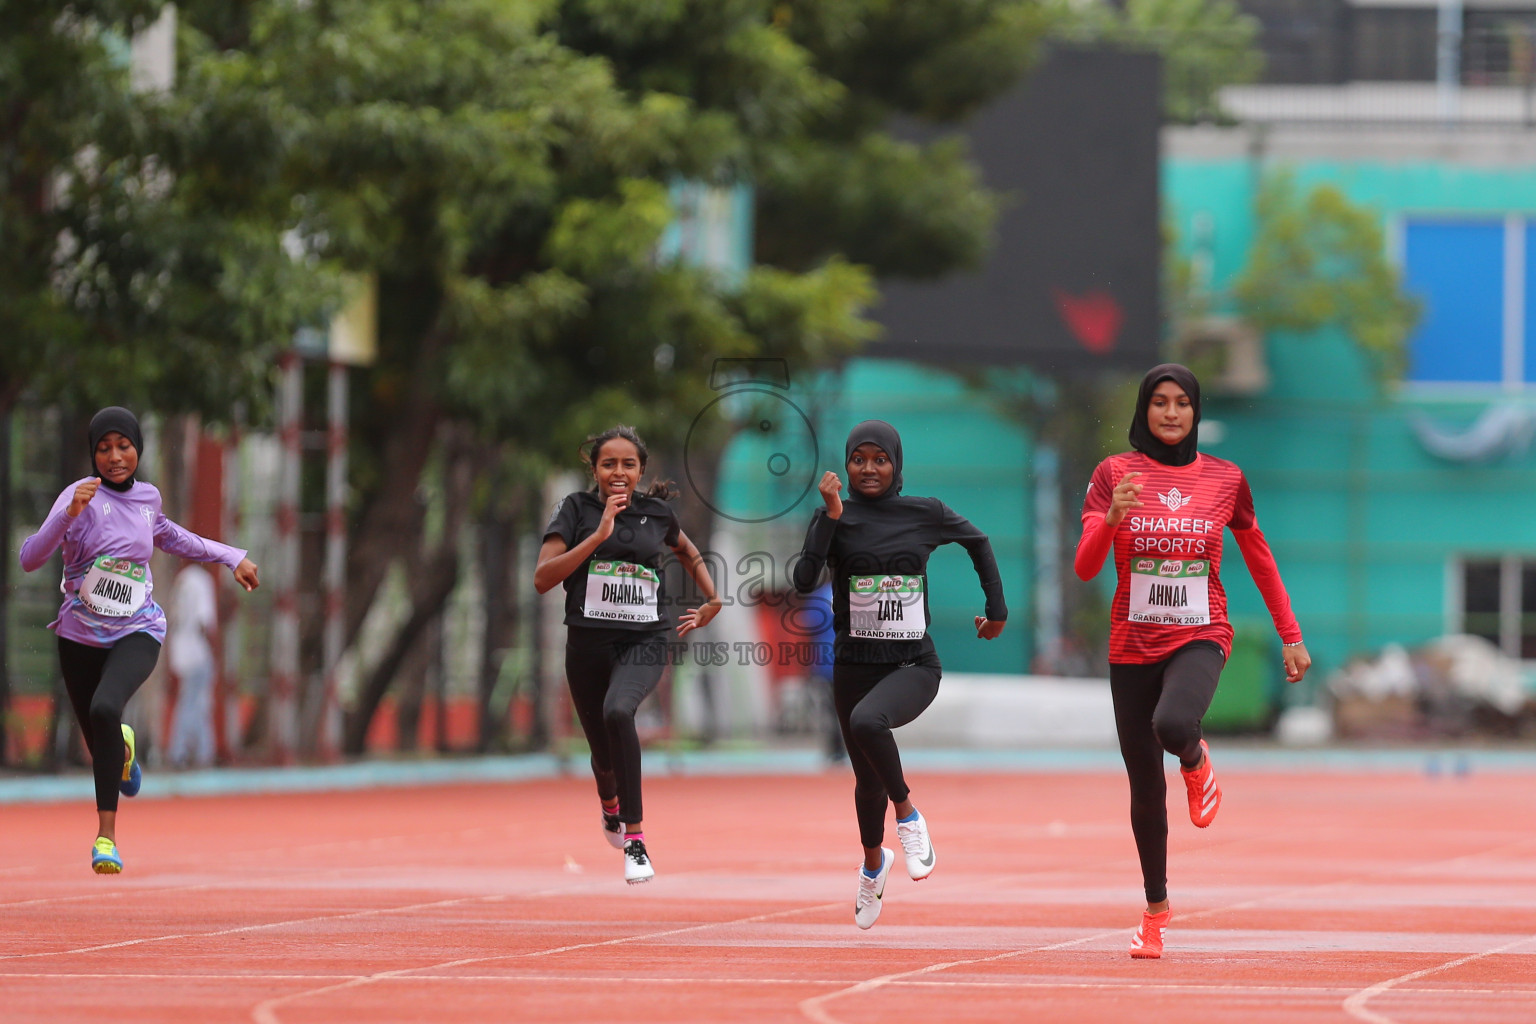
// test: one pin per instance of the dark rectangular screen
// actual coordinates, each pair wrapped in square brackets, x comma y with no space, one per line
[1071,283]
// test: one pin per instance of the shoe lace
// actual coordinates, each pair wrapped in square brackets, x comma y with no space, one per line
[635,851]
[866,891]
[1195,781]
[611,822]
[913,841]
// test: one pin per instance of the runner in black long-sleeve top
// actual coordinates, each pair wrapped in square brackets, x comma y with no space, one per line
[606,546]
[885,670]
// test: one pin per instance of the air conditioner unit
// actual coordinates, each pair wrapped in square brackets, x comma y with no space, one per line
[1225,352]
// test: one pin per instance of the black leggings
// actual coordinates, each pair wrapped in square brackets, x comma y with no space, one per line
[610,672]
[100,680]
[1158,707]
[872,700]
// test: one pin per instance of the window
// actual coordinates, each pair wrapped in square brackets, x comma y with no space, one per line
[1457,269]
[1497,601]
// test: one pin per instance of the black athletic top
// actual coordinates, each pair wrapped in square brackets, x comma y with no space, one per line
[621,585]
[878,554]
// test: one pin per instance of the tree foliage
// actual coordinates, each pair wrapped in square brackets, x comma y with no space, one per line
[504,168]
[1319,259]
[1205,45]
[125,275]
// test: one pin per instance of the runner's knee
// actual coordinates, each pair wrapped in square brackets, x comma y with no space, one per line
[866,725]
[1177,733]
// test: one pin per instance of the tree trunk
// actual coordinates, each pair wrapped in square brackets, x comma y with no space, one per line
[432,581]
[392,516]
[430,592]
[411,688]
[498,560]
[437,678]
[538,727]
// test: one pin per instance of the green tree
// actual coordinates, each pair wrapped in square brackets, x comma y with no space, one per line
[1319,259]
[123,277]
[504,166]
[1205,45]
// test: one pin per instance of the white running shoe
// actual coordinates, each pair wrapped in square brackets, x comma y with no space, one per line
[637,863]
[866,906]
[917,845]
[613,830]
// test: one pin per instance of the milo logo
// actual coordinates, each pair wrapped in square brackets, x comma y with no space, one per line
[1197,568]
[866,583]
[137,572]
[1170,567]
[1146,565]
[626,569]
[892,583]
[122,565]
[602,566]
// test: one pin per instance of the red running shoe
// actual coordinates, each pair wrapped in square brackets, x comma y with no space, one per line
[1148,941]
[1204,793]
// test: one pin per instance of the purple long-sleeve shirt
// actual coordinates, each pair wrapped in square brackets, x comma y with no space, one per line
[126,525]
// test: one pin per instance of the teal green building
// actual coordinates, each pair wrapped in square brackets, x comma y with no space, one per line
[1398,511]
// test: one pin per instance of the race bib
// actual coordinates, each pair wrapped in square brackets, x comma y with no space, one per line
[886,608]
[621,592]
[1171,591]
[114,587]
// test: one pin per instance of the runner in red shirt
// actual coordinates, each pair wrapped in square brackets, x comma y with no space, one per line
[1163,506]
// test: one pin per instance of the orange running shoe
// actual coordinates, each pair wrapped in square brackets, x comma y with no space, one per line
[1148,941]
[1204,793]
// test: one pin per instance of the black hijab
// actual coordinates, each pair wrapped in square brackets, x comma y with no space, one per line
[115,419]
[1142,438]
[882,434]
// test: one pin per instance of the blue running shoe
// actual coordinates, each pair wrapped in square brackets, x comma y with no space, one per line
[105,859]
[133,775]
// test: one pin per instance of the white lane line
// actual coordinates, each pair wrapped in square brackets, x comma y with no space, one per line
[351,915]
[266,1012]
[813,1008]
[1355,1004]
[1005,983]
[262,857]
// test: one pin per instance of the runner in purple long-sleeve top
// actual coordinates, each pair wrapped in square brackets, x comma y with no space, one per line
[109,627]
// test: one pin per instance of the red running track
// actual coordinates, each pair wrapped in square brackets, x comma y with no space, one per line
[1350,897]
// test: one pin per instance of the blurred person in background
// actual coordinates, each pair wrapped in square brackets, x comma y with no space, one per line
[606,546]
[109,627]
[885,670]
[191,647]
[1169,634]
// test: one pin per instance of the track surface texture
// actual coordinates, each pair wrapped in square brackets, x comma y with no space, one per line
[1338,896]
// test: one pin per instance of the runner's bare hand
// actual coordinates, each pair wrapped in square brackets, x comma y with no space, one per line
[831,488]
[989,629]
[83,495]
[694,618]
[1126,496]
[1297,661]
[616,503]
[245,575]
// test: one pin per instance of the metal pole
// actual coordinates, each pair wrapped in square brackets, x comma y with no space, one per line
[282,707]
[1047,556]
[1448,60]
[334,577]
